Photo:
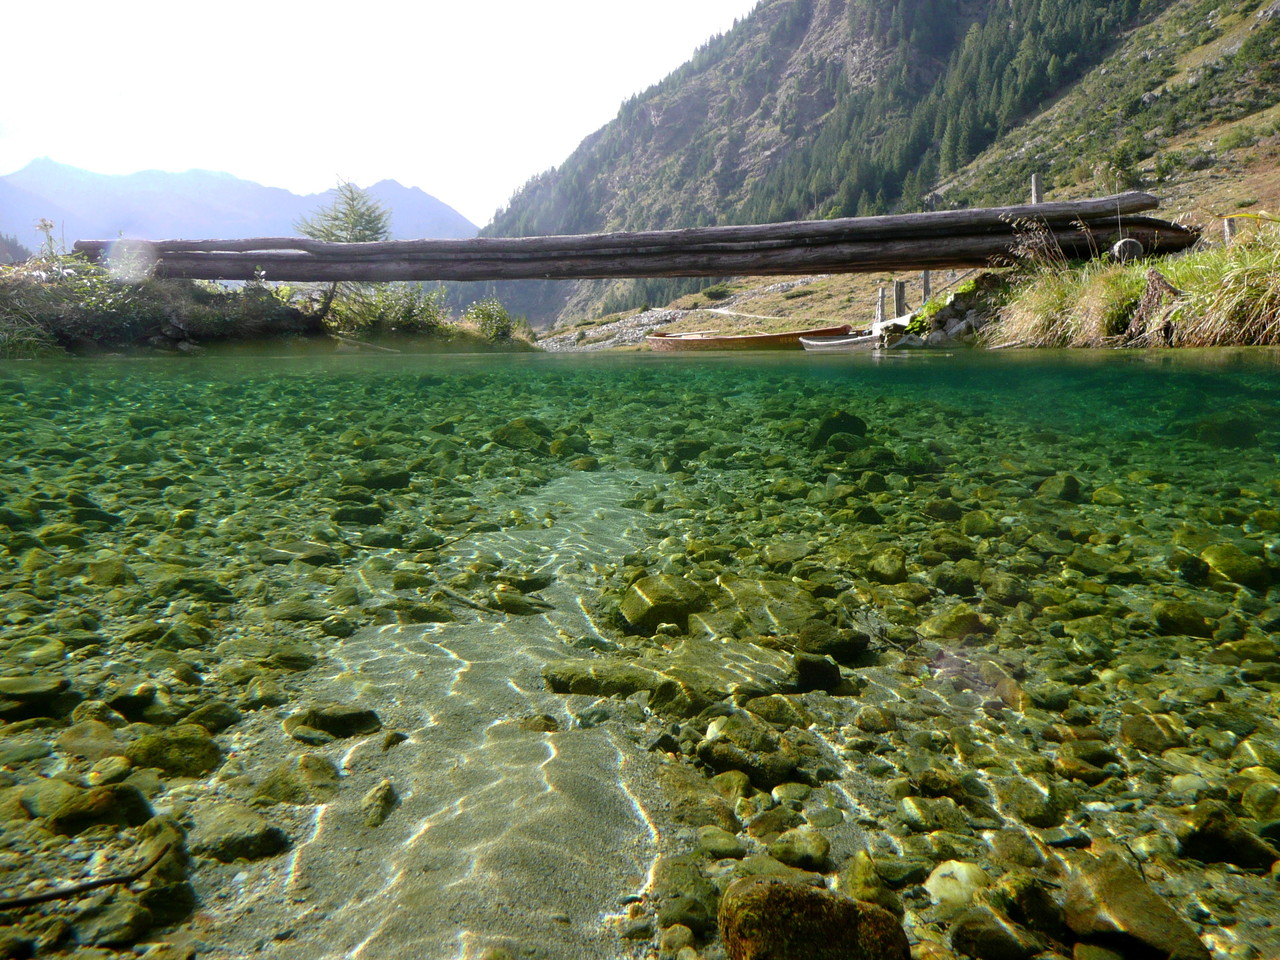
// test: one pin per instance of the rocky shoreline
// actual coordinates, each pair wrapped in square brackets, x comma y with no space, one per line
[1008,685]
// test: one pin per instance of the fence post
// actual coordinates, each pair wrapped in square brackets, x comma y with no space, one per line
[926,287]
[899,298]
[1228,229]
[880,307]
[1037,191]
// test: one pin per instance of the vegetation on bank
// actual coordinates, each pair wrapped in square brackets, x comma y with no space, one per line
[52,305]
[55,303]
[1220,295]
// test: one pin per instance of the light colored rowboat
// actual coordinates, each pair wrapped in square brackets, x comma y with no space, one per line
[853,341]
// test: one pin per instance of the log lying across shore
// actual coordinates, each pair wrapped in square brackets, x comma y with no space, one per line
[949,238]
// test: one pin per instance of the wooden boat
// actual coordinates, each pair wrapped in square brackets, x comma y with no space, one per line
[708,340]
[841,344]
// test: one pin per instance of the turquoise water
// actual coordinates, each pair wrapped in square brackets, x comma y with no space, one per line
[423,535]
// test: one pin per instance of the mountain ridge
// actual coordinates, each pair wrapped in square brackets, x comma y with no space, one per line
[159,205]
[819,108]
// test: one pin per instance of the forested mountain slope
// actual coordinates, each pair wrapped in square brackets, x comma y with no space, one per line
[820,108]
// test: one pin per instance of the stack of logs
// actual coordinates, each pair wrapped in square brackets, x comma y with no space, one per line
[913,241]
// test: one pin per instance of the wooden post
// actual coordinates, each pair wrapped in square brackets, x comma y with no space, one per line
[1037,191]
[926,287]
[899,298]
[880,307]
[1228,229]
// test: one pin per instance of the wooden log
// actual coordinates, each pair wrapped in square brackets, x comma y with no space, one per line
[934,223]
[859,257]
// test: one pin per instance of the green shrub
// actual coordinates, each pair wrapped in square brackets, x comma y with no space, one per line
[56,300]
[403,308]
[718,291]
[1241,136]
[493,319]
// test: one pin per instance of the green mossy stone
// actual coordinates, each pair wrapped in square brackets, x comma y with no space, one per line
[780,710]
[185,750]
[720,844]
[232,831]
[978,523]
[378,803]
[298,611]
[658,599]
[888,564]
[1106,898]
[306,779]
[1153,733]
[215,716]
[339,720]
[803,848]
[954,623]
[117,804]
[119,922]
[1037,804]
[682,894]
[1175,617]
[113,572]
[860,880]
[768,606]
[198,586]
[527,434]
[1062,486]
[357,514]
[1231,563]
[763,918]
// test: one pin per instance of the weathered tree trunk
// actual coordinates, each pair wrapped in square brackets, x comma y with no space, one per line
[1150,325]
[953,238]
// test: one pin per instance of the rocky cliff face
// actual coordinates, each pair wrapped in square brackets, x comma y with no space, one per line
[689,150]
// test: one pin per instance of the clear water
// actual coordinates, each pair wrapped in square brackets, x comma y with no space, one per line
[506,835]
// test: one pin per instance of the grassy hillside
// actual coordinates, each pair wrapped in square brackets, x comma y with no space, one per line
[813,108]
[818,108]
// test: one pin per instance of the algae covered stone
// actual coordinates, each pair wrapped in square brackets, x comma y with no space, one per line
[954,623]
[324,722]
[117,804]
[764,918]
[1108,900]
[1231,563]
[661,599]
[186,750]
[233,831]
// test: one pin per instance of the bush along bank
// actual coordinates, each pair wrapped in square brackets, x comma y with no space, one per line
[53,305]
[1213,296]
[1221,295]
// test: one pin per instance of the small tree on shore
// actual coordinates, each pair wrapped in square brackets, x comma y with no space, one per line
[352,217]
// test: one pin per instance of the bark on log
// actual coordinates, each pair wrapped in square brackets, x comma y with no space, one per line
[861,257]
[931,224]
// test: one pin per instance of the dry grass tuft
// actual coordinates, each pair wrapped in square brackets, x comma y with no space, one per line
[1215,296]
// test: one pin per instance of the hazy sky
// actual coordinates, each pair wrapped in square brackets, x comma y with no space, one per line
[466,99]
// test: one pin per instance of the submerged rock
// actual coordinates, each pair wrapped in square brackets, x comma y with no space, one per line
[232,831]
[1108,900]
[321,723]
[659,599]
[763,918]
[186,750]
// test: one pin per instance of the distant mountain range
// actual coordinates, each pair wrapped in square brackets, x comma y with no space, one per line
[197,204]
